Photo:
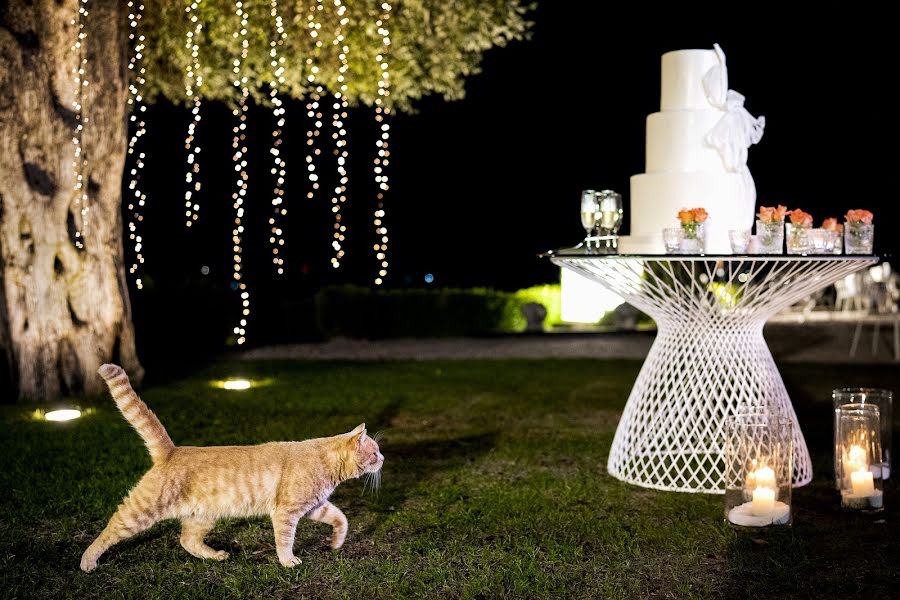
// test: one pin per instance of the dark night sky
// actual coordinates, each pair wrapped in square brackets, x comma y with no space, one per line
[480,186]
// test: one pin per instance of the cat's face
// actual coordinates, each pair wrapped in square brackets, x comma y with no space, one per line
[368,456]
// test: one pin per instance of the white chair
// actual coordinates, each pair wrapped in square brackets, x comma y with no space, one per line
[849,293]
[883,297]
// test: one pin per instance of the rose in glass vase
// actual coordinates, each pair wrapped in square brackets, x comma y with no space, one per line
[770,229]
[692,224]
[797,231]
[831,224]
[859,232]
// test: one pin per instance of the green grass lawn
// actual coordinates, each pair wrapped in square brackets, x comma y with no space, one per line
[494,486]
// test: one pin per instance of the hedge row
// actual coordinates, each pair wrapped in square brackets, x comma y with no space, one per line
[360,312]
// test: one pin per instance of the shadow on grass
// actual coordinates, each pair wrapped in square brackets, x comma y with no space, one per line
[409,466]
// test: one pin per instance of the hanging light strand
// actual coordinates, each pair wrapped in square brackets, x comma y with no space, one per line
[340,140]
[279,168]
[382,159]
[240,168]
[193,83]
[137,198]
[79,163]
[313,104]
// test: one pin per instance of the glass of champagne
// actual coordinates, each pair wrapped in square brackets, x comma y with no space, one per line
[590,213]
[610,220]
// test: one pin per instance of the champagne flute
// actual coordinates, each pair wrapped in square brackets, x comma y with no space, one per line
[590,211]
[610,206]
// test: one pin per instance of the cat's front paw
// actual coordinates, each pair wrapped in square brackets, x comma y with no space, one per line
[220,555]
[88,565]
[290,562]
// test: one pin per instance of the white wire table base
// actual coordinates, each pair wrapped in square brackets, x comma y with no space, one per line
[709,359]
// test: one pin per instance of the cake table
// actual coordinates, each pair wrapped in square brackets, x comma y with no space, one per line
[709,359]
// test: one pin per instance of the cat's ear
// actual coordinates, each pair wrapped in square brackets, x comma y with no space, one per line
[357,434]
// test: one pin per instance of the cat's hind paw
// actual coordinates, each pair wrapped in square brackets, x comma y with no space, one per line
[219,555]
[290,562]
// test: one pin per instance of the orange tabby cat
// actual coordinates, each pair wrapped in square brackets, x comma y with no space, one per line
[286,480]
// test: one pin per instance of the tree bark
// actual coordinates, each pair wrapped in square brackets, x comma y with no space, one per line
[64,311]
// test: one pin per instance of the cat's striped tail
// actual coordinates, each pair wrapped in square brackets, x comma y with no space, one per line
[136,412]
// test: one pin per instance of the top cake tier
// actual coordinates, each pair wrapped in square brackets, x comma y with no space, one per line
[682,79]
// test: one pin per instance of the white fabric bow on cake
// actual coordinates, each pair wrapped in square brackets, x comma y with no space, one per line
[737,130]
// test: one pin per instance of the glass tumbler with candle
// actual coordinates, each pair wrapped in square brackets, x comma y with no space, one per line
[859,443]
[883,399]
[758,470]
[672,237]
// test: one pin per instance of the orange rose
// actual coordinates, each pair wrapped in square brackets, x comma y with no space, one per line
[798,217]
[700,214]
[830,224]
[765,214]
[685,215]
[769,214]
[859,216]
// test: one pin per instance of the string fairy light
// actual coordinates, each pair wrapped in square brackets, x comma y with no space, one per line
[340,113]
[382,160]
[135,99]
[279,169]
[240,167]
[192,85]
[312,105]
[79,163]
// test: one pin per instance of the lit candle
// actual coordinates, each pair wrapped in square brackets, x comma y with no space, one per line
[856,458]
[763,501]
[765,478]
[862,482]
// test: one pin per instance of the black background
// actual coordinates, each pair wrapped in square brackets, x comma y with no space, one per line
[479,186]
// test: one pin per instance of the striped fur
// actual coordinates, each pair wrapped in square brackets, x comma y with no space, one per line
[136,412]
[198,486]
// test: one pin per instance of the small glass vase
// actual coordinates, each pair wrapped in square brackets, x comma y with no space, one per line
[797,238]
[770,237]
[858,443]
[694,240]
[758,470]
[858,238]
[821,241]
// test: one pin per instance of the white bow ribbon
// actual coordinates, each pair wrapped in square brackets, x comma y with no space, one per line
[737,130]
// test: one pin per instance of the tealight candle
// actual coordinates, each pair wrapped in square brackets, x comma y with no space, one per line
[862,482]
[763,502]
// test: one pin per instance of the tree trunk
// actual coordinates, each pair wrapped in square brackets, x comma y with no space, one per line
[64,310]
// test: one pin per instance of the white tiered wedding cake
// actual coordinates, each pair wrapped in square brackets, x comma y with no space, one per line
[696,155]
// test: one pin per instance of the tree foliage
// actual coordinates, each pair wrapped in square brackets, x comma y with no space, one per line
[435,45]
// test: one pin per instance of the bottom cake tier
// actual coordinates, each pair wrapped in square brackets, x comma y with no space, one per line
[656,199]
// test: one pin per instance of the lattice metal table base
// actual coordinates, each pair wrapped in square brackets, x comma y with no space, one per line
[709,359]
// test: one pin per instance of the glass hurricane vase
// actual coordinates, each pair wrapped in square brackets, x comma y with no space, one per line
[758,470]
